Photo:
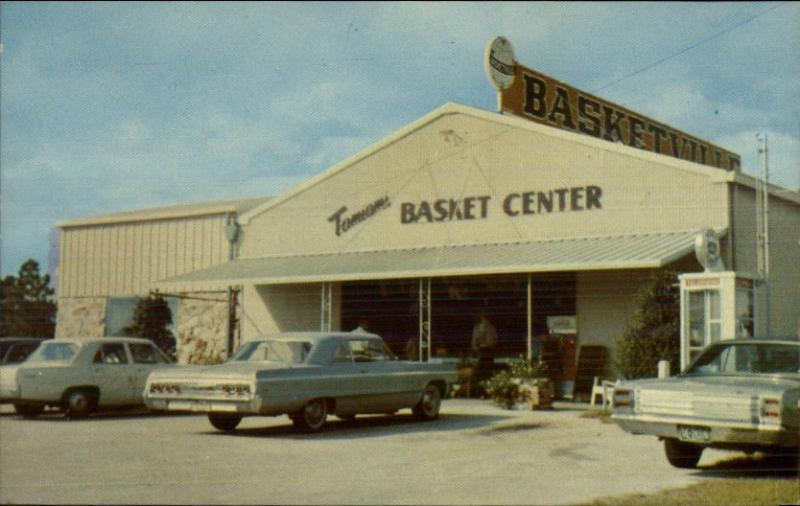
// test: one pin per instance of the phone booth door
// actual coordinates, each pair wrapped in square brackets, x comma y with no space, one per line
[714,306]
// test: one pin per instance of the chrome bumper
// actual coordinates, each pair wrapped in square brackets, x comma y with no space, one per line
[204,405]
[721,433]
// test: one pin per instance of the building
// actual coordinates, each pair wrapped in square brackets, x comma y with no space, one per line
[547,232]
[106,262]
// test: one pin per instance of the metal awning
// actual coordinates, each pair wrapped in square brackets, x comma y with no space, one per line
[633,251]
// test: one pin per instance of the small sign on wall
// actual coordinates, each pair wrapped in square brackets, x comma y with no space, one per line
[562,324]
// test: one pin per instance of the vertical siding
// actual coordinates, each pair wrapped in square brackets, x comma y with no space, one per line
[124,259]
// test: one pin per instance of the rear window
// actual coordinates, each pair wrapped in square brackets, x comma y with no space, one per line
[54,352]
[19,352]
[146,354]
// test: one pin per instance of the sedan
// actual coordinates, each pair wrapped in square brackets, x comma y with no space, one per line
[741,394]
[307,376]
[14,350]
[80,375]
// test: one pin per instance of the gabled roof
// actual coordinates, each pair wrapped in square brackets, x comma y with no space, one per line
[450,108]
[237,206]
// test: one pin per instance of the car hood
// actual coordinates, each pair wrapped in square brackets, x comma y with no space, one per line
[228,370]
[711,385]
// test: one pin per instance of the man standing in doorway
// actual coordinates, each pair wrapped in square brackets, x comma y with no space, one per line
[484,338]
[484,335]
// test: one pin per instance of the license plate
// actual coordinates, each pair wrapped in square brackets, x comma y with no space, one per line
[694,434]
[201,407]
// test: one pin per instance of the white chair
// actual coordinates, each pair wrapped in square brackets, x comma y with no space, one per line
[605,389]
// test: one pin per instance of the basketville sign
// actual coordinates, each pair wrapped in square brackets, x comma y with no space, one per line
[540,98]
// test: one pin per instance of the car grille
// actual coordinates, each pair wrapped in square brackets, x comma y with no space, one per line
[203,390]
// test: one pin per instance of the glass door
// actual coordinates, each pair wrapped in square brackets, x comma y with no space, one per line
[704,322]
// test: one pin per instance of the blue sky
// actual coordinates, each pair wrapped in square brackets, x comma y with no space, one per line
[111,107]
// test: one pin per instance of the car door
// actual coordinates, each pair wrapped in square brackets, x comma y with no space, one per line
[350,377]
[146,358]
[113,374]
[379,379]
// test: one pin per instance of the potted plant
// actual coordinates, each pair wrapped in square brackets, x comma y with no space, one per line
[524,385]
[535,387]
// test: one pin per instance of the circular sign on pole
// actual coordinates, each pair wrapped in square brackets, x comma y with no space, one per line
[499,63]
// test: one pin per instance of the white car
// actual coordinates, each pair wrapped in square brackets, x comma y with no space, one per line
[79,375]
[742,394]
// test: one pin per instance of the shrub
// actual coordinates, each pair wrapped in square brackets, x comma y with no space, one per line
[653,332]
[151,316]
[502,389]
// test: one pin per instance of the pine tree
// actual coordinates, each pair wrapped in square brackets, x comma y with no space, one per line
[26,305]
[151,316]
[653,333]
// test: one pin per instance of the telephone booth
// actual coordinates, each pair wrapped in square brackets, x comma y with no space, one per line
[714,306]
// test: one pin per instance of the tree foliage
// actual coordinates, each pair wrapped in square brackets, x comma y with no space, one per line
[26,305]
[653,333]
[151,316]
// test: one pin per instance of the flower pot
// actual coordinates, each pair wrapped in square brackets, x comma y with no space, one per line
[536,393]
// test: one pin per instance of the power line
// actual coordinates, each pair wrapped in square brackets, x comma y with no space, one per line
[696,44]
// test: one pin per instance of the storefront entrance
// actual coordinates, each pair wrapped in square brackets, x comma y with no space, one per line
[391,308]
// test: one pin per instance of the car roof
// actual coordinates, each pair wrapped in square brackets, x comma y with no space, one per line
[314,336]
[88,340]
[23,339]
[762,340]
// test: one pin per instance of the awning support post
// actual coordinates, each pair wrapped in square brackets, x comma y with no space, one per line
[424,319]
[530,319]
[326,306]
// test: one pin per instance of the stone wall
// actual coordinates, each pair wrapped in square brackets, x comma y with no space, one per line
[81,317]
[202,328]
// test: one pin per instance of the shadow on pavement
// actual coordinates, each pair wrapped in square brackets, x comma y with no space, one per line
[756,466]
[372,426]
[54,415]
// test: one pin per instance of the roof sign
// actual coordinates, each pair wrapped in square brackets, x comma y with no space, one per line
[540,98]
[499,63]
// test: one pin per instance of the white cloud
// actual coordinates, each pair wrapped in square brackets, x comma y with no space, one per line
[108,108]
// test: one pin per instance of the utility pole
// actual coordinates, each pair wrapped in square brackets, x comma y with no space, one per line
[763,228]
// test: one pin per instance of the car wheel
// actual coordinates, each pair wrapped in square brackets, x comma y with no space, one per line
[79,403]
[225,423]
[683,455]
[313,416]
[783,459]
[28,410]
[428,406]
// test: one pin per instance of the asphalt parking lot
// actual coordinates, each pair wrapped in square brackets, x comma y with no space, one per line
[474,453]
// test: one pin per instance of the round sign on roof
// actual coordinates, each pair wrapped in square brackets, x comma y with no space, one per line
[500,63]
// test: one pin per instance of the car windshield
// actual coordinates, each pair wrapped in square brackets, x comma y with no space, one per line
[54,352]
[747,358]
[290,352]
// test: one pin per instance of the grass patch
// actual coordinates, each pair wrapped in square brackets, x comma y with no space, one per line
[599,414]
[719,492]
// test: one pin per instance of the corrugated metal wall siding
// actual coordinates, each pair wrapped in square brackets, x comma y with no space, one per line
[123,259]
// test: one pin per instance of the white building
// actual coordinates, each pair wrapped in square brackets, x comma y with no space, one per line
[460,212]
